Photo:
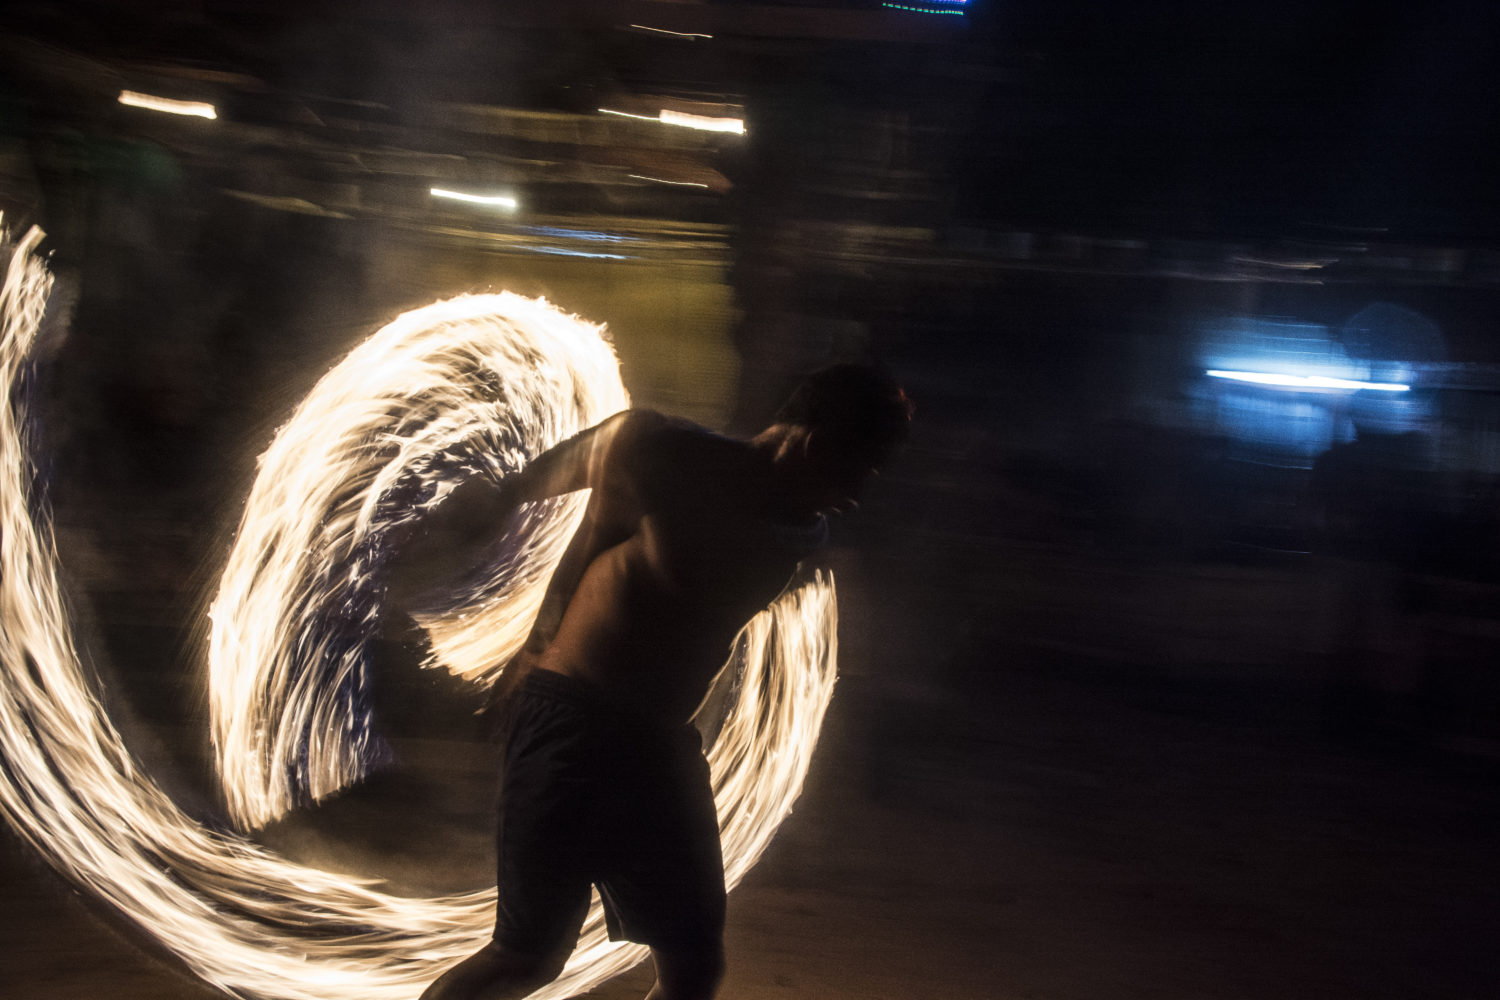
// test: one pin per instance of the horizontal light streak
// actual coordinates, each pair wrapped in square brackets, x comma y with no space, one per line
[922,10]
[1287,265]
[627,114]
[195,109]
[495,200]
[705,123]
[1308,382]
[674,34]
[564,252]
[663,180]
[583,234]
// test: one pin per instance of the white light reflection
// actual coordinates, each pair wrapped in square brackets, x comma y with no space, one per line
[1320,383]
[464,387]
[196,109]
[496,200]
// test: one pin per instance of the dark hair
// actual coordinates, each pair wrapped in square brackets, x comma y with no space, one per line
[858,408]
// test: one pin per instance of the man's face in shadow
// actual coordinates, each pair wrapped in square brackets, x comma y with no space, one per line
[836,473]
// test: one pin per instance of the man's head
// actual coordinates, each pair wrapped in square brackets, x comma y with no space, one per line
[844,422]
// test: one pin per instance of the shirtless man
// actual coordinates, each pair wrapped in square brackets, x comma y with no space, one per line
[686,536]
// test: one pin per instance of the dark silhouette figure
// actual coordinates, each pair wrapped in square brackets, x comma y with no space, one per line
[686,536]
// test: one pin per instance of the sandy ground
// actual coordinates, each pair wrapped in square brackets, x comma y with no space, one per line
[1061,837]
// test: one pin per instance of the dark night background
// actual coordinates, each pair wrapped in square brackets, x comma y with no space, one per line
[1151,686]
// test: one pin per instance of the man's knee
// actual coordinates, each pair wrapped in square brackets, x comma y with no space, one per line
[688,973]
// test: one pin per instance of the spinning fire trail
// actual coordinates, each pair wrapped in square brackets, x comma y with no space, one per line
[471,386]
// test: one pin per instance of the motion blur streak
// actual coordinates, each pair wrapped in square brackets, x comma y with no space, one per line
[923,10]
[627,114]
[663,180]
[245,919]
[1312,382]
[674,34]
[195,109]
[704,122]
[497,200]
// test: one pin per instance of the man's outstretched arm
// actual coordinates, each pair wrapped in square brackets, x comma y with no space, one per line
[449,540]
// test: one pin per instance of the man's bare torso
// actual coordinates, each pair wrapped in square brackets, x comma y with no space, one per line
[678,549]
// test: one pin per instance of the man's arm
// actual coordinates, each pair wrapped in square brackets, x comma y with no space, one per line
[449,540]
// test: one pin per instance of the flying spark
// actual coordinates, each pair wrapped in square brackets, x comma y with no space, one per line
[471,386]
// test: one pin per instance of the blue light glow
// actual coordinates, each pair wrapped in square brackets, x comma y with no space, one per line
[1306,383]
[560,252]
[583,234]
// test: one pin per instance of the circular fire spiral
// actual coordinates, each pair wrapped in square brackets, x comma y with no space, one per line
[471,386]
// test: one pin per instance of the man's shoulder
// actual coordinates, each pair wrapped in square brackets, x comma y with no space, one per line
[655,420]
[654,431]
[661,452]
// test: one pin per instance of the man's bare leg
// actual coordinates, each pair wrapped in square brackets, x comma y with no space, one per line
[687,975]
[492,973]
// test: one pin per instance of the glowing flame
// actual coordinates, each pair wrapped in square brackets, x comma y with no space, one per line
[464,387]
[408,413]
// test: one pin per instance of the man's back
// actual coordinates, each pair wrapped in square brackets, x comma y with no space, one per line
[685,537]
[677,550]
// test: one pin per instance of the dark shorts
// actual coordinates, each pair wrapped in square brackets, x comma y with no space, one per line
[589,797]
